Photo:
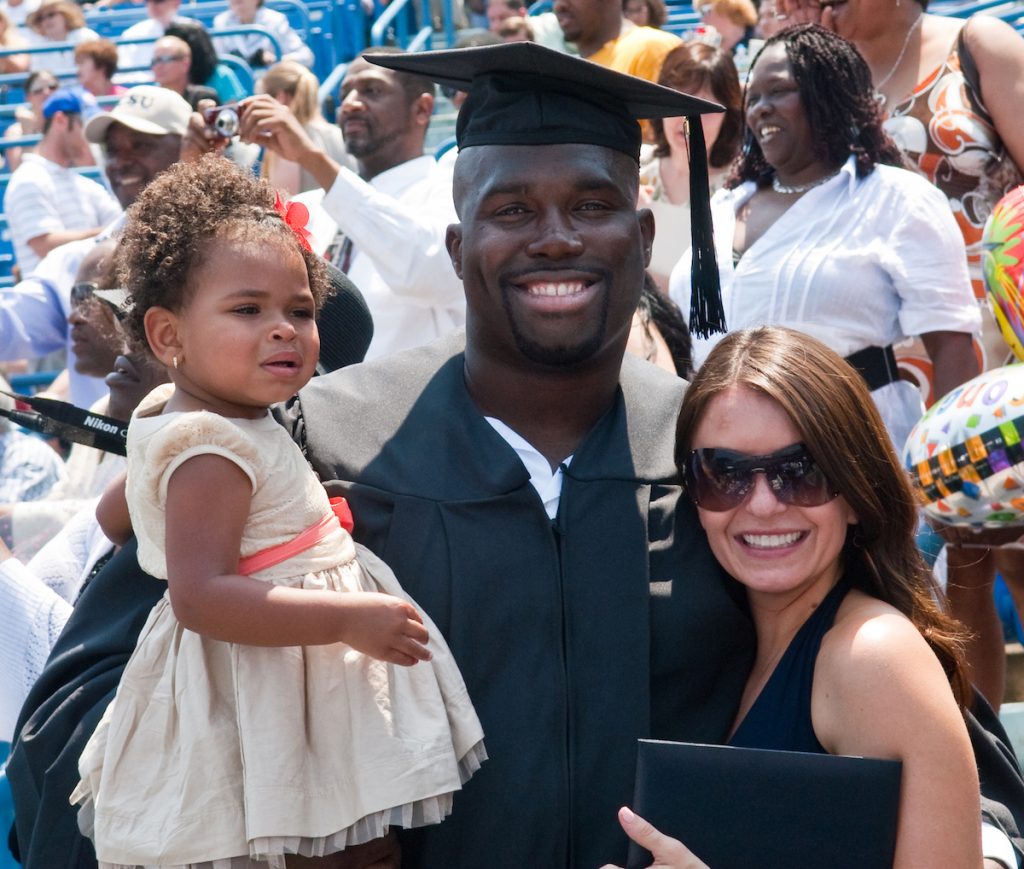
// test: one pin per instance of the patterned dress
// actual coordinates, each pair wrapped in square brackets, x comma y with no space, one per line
[949,137]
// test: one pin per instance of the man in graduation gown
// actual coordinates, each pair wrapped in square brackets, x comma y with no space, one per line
[583,606]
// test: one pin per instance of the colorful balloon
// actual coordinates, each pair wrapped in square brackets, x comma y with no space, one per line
[1003,265]
[966,454]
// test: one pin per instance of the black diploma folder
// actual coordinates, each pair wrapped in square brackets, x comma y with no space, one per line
[750,808]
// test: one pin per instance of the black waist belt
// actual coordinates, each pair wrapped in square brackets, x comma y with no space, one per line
[877,365]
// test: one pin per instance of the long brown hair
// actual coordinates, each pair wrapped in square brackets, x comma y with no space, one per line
[832,409]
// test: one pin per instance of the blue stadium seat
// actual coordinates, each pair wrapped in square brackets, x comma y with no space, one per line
[1008,10]
[315,21]
[6,251]
[7,861]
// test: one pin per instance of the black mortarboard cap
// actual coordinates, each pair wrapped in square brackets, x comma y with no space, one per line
[525,94]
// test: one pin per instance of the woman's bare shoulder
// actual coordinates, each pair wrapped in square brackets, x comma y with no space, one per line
[874,666]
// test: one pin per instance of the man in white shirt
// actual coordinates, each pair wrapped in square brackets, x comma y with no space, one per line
[394,213]
[47,202]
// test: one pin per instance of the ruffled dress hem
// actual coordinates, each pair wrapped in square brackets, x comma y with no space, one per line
[271,851]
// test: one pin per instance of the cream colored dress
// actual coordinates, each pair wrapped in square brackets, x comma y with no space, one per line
[219,754]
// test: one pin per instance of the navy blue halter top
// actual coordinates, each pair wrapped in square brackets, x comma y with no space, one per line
[781,715]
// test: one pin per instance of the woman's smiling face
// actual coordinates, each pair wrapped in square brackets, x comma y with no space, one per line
[774,548]
[775,112]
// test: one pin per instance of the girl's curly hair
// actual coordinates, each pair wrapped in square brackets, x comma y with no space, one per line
[838,97]
[182,216]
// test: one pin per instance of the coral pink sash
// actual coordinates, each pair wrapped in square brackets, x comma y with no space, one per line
[273,555]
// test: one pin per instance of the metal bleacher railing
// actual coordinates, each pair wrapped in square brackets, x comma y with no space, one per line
[327,27]
[335,30]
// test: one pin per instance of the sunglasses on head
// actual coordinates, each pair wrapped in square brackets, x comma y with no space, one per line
[720,480]
[84,291]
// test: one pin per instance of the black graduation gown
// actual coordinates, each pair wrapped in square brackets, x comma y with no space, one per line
[64,707]
[1002,786]
[575,637]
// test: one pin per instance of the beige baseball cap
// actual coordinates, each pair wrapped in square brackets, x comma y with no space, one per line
[146,109]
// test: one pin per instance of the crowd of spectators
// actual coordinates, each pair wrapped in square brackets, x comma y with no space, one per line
[836,209]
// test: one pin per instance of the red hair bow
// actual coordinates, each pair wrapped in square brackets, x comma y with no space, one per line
[296,215]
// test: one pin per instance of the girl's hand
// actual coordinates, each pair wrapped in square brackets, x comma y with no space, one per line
[385,627]
[668,853]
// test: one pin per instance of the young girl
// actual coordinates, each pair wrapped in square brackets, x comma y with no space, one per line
[260,715]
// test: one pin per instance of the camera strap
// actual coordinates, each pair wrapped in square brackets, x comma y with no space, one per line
[68,422]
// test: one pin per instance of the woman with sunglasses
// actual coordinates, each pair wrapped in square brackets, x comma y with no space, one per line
[805,503]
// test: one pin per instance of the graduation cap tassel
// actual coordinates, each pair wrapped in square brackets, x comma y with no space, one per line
[707,315]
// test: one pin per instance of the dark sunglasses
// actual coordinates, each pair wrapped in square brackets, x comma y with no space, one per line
[159,59]
[720,480]
[83,291]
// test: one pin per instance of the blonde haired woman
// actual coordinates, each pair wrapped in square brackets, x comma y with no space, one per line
[292,85]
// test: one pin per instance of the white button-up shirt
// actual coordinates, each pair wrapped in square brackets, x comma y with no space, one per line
[397,223]
[855,262]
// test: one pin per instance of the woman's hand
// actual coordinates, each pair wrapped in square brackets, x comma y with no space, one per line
[668,853]
[804,12]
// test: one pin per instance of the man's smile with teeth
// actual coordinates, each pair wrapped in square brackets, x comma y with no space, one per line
[556,288]
[771,541]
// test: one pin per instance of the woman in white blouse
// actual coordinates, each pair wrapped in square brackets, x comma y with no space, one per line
[820,230]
